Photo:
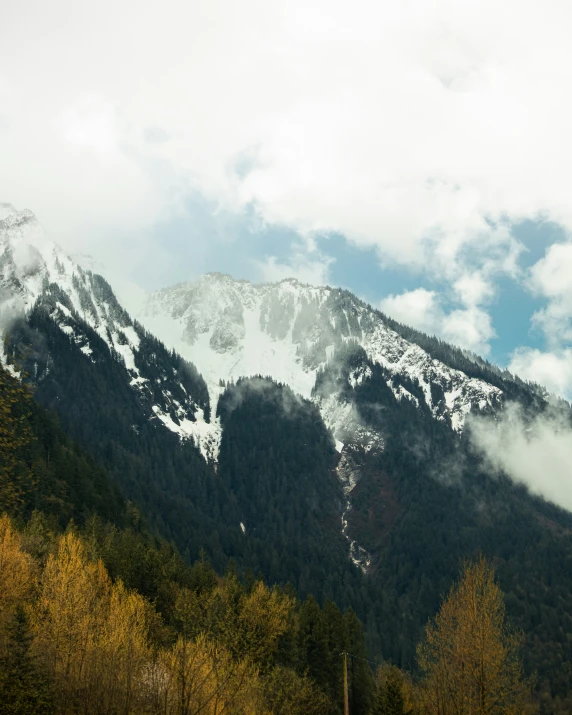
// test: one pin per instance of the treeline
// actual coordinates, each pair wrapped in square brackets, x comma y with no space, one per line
[42,469]
[106,618]
[74,640]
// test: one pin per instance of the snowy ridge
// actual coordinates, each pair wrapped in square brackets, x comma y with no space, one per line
[35,271]
[458,392]
[289,331]
[233,328]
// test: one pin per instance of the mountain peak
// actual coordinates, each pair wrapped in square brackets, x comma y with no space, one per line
[10,216]
[228,279]
[217,277]
[6,210]
[291,331]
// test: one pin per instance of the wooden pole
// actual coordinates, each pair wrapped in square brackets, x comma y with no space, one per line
[346,698]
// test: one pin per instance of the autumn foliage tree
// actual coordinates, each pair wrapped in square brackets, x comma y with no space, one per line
[470,656]
[17,577]
[74,640]
[90,633]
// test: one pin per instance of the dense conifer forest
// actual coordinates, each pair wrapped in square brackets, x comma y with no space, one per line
[92,605]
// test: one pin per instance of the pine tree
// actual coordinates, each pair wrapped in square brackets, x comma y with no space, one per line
[24,687]
[360,675]
[390,696]
[313,643]
[15,476]
[394,700]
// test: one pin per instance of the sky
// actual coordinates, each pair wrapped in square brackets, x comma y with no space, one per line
[417,153]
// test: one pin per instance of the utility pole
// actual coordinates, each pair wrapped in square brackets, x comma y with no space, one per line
[346,699]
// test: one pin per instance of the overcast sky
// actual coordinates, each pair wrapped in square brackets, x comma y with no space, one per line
[418,153]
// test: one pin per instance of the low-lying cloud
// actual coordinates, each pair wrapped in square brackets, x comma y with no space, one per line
[535,452]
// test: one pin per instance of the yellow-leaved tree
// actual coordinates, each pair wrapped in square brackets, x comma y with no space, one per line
[470,655]
[91,634]
[17,575]
[68,617]
[201,677]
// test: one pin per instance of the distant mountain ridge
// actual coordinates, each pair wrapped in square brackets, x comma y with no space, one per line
[290,331]
[231,328]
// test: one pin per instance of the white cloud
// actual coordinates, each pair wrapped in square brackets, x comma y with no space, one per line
[536,453]
[406,126]
[419,308]
[91,122]
[470,327]
[551,278]
[473,289]
[551,274]
[551,369]
[300,266]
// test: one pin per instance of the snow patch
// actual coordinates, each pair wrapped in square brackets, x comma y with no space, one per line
[359,376]
[205,435]
[401,393]
[348,474]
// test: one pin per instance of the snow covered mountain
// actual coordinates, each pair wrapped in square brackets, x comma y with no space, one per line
[325,344]
[291,332]
[230,329]
[403,499]
[36,274]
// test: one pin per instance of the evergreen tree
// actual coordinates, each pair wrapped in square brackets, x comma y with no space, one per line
[390,697]
[24,687]
[361,683]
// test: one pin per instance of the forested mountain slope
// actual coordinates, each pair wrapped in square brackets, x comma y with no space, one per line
[317,442]
[97,615]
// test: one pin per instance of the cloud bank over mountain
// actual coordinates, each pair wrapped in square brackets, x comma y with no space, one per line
[424,130]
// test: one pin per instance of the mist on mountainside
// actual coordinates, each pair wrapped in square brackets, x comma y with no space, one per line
[532,450]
